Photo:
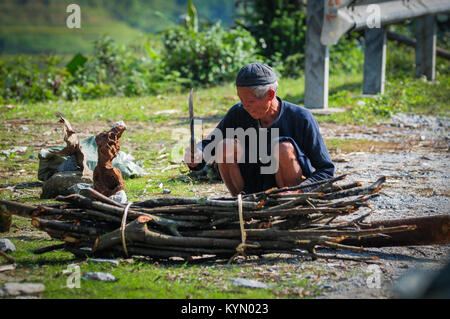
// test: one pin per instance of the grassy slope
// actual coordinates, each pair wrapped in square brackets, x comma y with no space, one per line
[34,28]
[30,27]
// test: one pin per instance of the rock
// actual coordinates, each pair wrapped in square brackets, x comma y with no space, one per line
[102,260]
[69,165]
[79,188]
[6,245]
[120,197]
[16,149]
[166,191]
[19,289]
[7,267]
[119,123]
[325,287]
[99,276]
[249,283]
[60,182]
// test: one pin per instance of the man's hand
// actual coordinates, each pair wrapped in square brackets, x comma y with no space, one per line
[193,161]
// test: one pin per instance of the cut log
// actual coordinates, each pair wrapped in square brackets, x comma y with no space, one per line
[432,230]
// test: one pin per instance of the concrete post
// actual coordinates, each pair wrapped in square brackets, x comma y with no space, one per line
[316,59]
[374,60]
[426,47]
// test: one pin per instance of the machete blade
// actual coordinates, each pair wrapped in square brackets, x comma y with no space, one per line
[191,121]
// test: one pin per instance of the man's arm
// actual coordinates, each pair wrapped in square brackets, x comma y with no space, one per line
[218,132]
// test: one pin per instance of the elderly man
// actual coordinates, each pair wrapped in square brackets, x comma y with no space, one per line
[299,145]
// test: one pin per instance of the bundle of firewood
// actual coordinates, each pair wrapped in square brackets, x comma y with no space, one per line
[274,221]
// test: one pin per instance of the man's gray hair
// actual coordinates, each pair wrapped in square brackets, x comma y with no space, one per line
[261,90]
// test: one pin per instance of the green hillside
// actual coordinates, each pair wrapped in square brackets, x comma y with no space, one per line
[39,26]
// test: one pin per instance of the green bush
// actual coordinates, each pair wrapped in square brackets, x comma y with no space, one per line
[125,71]
[212,55]
[279,26]
[24,79]
[113,70]
[347,56]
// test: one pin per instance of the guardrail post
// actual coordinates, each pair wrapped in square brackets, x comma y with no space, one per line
[374,60]
[316,59]
[426,47]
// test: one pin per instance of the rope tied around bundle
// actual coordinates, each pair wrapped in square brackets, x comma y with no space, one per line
[122,227]
[240,249]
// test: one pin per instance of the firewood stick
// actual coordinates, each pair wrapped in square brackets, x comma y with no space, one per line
[273,234]
[330,203]
[297,195]
[65,227]
[102,216]
[336,188]
[18,209]
[197,250]
[375,187]
[93,194]
[291,203]
[49,248]
[187,217]
[157,202]
[156,253]
[138,231]
[298,211]
[293,188]
[90,204]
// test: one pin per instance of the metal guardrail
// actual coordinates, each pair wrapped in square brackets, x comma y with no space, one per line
[328,20]
[342,16]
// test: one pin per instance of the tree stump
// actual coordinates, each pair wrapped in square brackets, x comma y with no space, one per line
[108,179]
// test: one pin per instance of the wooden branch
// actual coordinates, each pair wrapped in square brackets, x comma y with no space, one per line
[167,201]
[274,191]
[8,258]
[274,234]
[95,195]
[18,209]
[60,226]
[375,187]
[49,248]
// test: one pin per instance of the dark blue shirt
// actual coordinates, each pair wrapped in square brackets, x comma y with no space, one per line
[297,125]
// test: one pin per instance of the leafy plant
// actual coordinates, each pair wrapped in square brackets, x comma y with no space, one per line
[279,26]
[22,79]
[347,56]
[212,55]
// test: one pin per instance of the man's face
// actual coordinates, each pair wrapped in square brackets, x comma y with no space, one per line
[256,107]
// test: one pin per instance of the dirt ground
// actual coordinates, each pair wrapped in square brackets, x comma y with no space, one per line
[413,152]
